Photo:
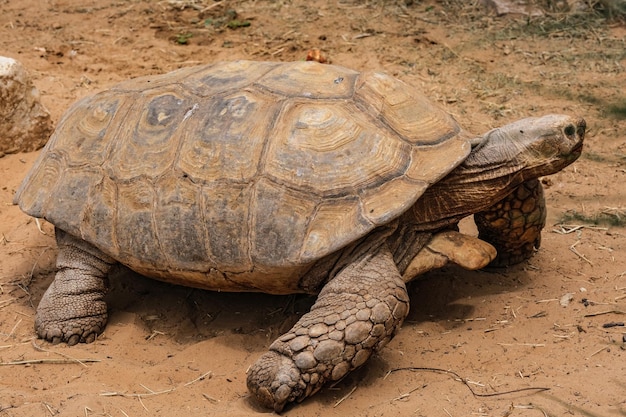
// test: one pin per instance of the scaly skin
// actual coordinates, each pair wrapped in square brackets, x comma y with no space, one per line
[356,314]
[73,309]
[513,226]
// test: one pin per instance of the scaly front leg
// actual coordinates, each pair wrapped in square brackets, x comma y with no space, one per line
[513,226]
[356,314]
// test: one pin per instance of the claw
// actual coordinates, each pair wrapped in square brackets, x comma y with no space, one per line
[275,380]
[73,340]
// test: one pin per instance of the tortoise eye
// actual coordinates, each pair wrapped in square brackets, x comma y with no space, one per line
[569,130]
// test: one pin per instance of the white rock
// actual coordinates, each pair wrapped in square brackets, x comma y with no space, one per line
[25,124]
[566,299]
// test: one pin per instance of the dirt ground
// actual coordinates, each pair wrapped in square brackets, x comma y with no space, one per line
[171,350]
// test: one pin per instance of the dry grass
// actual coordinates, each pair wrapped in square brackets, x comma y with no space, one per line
[609,217]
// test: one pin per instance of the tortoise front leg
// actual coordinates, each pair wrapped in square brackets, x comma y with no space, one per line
[73,310]
[513,226]
[356,314]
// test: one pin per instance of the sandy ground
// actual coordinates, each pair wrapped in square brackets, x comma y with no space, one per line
[171,350]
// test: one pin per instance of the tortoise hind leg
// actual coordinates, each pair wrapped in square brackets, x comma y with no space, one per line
[513,225]
[356,314]
[72,309]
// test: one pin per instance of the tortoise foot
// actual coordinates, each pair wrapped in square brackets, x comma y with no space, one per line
[70,331]
[63,316]
[73,310]
[275,380]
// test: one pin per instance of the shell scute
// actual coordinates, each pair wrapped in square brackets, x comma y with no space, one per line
[136,240]
[96,226]
[280,214]
[177,216]
[225,138]
[310,80]
[381,205]
[330,149]
[333,226]
[86,139]
[227,210]
[69,194]
[428,165]
[405,110]
[150,135]
[34,193]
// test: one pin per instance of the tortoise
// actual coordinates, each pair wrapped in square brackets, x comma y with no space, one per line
[284,178]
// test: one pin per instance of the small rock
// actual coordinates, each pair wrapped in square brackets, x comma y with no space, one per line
[25,124]
[566,299]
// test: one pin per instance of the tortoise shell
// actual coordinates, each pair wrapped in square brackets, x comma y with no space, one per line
[240,171]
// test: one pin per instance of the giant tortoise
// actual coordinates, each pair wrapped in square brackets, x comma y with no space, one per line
[284,178]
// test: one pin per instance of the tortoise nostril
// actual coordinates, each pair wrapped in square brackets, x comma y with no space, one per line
[569,130]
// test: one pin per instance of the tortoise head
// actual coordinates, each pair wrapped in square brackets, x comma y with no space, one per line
[533,147]
[498,163]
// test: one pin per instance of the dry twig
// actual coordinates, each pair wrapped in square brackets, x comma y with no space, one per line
[523,344]
[598,351]
[565,229]
[70,358]
[345,396]
[49,361]
[467,383]
[5,303]
[151,392]
[599,313]
[8,336]
[200,378]
[581,256]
